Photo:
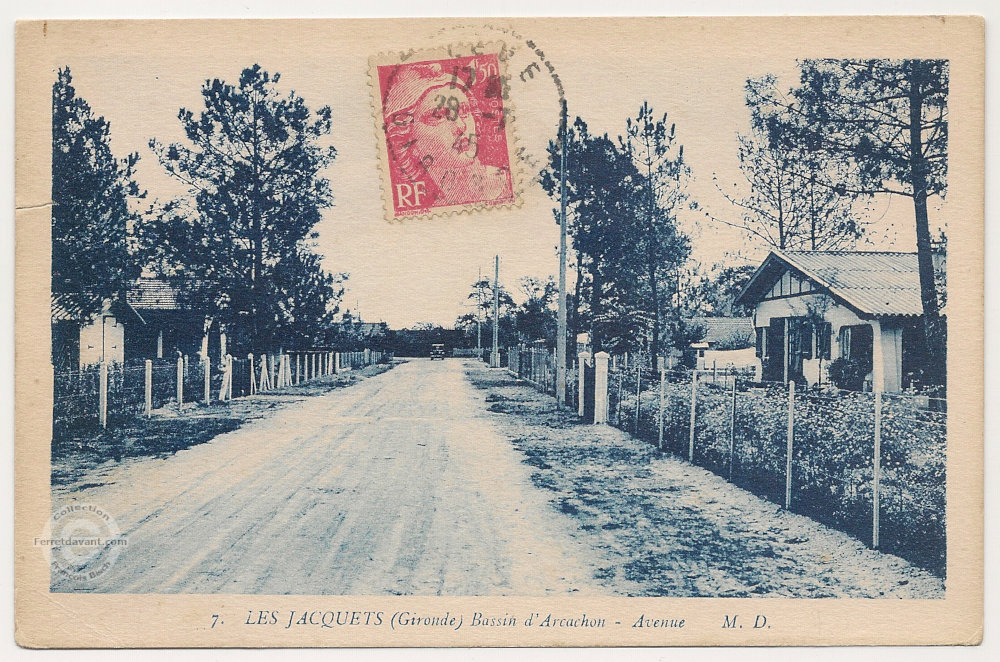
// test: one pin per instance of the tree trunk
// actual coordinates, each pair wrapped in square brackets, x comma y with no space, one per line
[654,348]
[934,349]
[574,312]
[595,307]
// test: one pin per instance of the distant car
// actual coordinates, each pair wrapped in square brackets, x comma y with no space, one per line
[437,351]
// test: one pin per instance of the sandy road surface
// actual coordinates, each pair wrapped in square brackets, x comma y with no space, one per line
[397,485]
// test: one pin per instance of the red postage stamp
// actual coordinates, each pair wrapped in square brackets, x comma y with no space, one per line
[444,134]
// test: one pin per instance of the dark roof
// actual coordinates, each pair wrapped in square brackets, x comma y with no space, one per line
[718,329]
[875,283]
[153,294]
[68,307]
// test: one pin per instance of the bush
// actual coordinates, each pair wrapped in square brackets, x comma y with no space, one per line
[848,374]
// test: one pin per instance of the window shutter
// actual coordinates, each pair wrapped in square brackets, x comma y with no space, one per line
[824,333]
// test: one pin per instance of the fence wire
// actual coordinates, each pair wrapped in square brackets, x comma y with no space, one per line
[740,432]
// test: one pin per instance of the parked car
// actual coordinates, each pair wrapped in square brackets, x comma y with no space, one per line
[437,351]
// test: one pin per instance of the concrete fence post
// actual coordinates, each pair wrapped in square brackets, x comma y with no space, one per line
[180,381]
[253,384]
[102,396]
[601,387]
[582,359]
[207,363]
[226,391]
[298,368]
[336,362]
[149,388]
[789,436]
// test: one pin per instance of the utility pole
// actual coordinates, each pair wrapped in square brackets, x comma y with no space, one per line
[495,356]
[479,312]
[561,318]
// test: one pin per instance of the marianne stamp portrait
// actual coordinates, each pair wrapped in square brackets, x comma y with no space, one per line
[509,332]
[443,131]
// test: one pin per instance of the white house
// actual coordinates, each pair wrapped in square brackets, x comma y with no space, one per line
[80,340]
[812,307]
[728,343]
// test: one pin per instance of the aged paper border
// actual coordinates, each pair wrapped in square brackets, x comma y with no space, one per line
[452,50]
[60,620]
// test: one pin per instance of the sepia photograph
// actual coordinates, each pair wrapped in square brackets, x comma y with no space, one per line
[502,309]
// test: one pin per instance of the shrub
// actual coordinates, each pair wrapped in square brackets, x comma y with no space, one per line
[848,374]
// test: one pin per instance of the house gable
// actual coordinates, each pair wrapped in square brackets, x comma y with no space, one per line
[790,283]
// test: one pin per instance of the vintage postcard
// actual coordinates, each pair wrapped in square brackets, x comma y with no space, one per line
[499,332]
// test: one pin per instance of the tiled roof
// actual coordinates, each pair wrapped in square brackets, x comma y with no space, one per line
[153,294]
[718,329]
[877,283]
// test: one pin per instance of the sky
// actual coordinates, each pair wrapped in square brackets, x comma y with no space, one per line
[421,270]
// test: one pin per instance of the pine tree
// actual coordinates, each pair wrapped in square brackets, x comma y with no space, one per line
[91,215]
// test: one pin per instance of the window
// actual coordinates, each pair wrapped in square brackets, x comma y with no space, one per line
[856,344]
[806,338]
[823,335]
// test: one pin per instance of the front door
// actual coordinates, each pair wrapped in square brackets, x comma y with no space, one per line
[774,357]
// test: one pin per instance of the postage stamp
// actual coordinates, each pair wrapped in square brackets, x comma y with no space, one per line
[607,342]
[444,132]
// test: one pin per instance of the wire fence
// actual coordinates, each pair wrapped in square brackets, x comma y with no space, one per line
[872,465]
[116,393]
[537,366]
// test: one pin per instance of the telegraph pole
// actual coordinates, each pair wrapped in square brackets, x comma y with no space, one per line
[495,356]
[479,312]
[561,319]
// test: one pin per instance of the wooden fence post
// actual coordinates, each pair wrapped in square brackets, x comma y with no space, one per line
[663,379]
[790,435]
[149,388]
[877,469]
[732,432]
[638,395]
[582,358]
[694,410]
[102,397]
[180,382]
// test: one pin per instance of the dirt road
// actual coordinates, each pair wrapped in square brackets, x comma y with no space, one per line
[397,485]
